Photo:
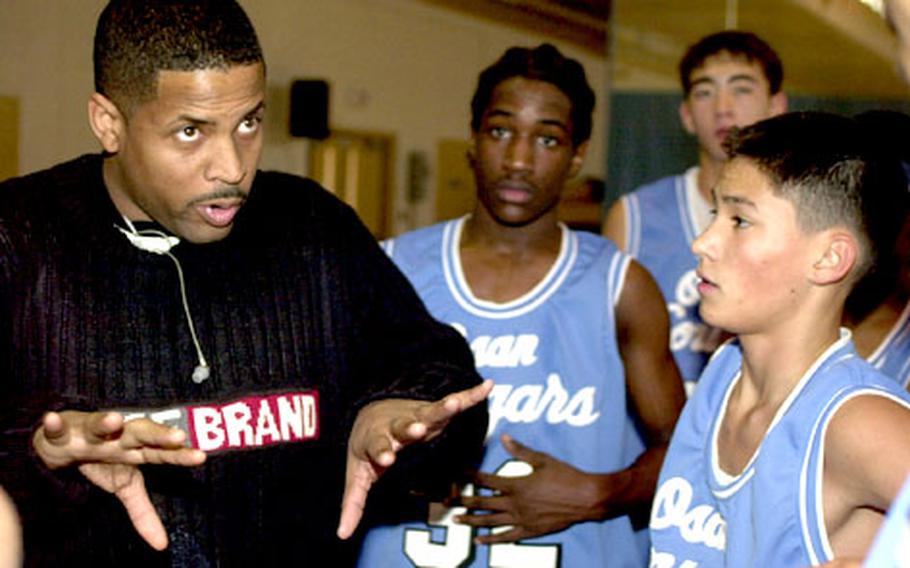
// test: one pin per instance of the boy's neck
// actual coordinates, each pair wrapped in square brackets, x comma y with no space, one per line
[502,263]
[541,236]
[773,363]
[772,367]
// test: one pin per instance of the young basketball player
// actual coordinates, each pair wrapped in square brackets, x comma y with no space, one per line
[729,79]
[793,446]
[572,331]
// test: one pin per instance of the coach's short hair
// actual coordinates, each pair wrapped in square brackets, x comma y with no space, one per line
[135,39]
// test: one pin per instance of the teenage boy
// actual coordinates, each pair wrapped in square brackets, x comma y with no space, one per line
[730,79]
[793,446]
[572,331]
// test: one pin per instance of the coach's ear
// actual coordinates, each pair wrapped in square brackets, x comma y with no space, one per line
[836,255]
[107,122]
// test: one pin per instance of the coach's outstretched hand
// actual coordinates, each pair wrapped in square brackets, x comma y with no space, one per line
[383,428]
[108,451]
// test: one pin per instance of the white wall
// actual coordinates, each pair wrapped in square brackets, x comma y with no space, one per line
[395,66]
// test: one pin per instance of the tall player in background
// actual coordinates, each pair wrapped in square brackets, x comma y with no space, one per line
[729,79]
[572,330]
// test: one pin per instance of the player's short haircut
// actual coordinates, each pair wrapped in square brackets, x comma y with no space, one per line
[828,168]
[738,44]
[542,63]
[135,39]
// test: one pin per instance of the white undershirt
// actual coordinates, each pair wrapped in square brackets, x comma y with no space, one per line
[700,209]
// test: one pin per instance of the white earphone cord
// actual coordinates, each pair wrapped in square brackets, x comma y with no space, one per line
[202,371]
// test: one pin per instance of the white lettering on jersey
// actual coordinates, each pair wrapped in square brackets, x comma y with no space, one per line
[456,547]
[699,524]
[667,560]
[502,350]
[528,403]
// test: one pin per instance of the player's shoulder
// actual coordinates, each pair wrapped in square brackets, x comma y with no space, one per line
[593,246]
[419,245]
[658,187]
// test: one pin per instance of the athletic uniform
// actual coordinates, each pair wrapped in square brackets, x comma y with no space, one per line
[892,357]
[661,223]
[770,514]
[559,388]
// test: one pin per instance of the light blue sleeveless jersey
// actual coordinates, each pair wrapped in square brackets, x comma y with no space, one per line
[559,388]
[660,229]
[770,514]
[892,357]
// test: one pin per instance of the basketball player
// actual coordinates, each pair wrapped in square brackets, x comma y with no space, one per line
[572,331]
[729,79]
[793,445]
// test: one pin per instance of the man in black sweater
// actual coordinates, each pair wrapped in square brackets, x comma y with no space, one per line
[201,361]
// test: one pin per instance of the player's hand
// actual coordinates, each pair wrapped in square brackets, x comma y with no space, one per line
[552,497]
[382,429]
[108,451]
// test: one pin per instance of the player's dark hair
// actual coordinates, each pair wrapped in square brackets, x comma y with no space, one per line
[741,44]
[542,63]
[829,169]
[135,39]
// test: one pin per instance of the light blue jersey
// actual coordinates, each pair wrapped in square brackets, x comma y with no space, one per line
[660,228]
[892,357]
[770,514]
[559,388]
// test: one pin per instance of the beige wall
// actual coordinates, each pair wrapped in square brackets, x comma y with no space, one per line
[396,66]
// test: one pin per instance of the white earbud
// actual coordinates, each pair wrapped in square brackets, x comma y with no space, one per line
[153,244]
[201,373]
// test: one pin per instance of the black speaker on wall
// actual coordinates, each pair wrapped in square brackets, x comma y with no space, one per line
[310,108]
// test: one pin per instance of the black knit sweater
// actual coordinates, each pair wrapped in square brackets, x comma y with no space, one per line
[298,297]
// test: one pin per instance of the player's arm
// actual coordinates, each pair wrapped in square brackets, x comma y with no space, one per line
[867,460]
[656,393]
[614,226]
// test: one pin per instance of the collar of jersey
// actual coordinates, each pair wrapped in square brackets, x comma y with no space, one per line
[723,484]
[461,292]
